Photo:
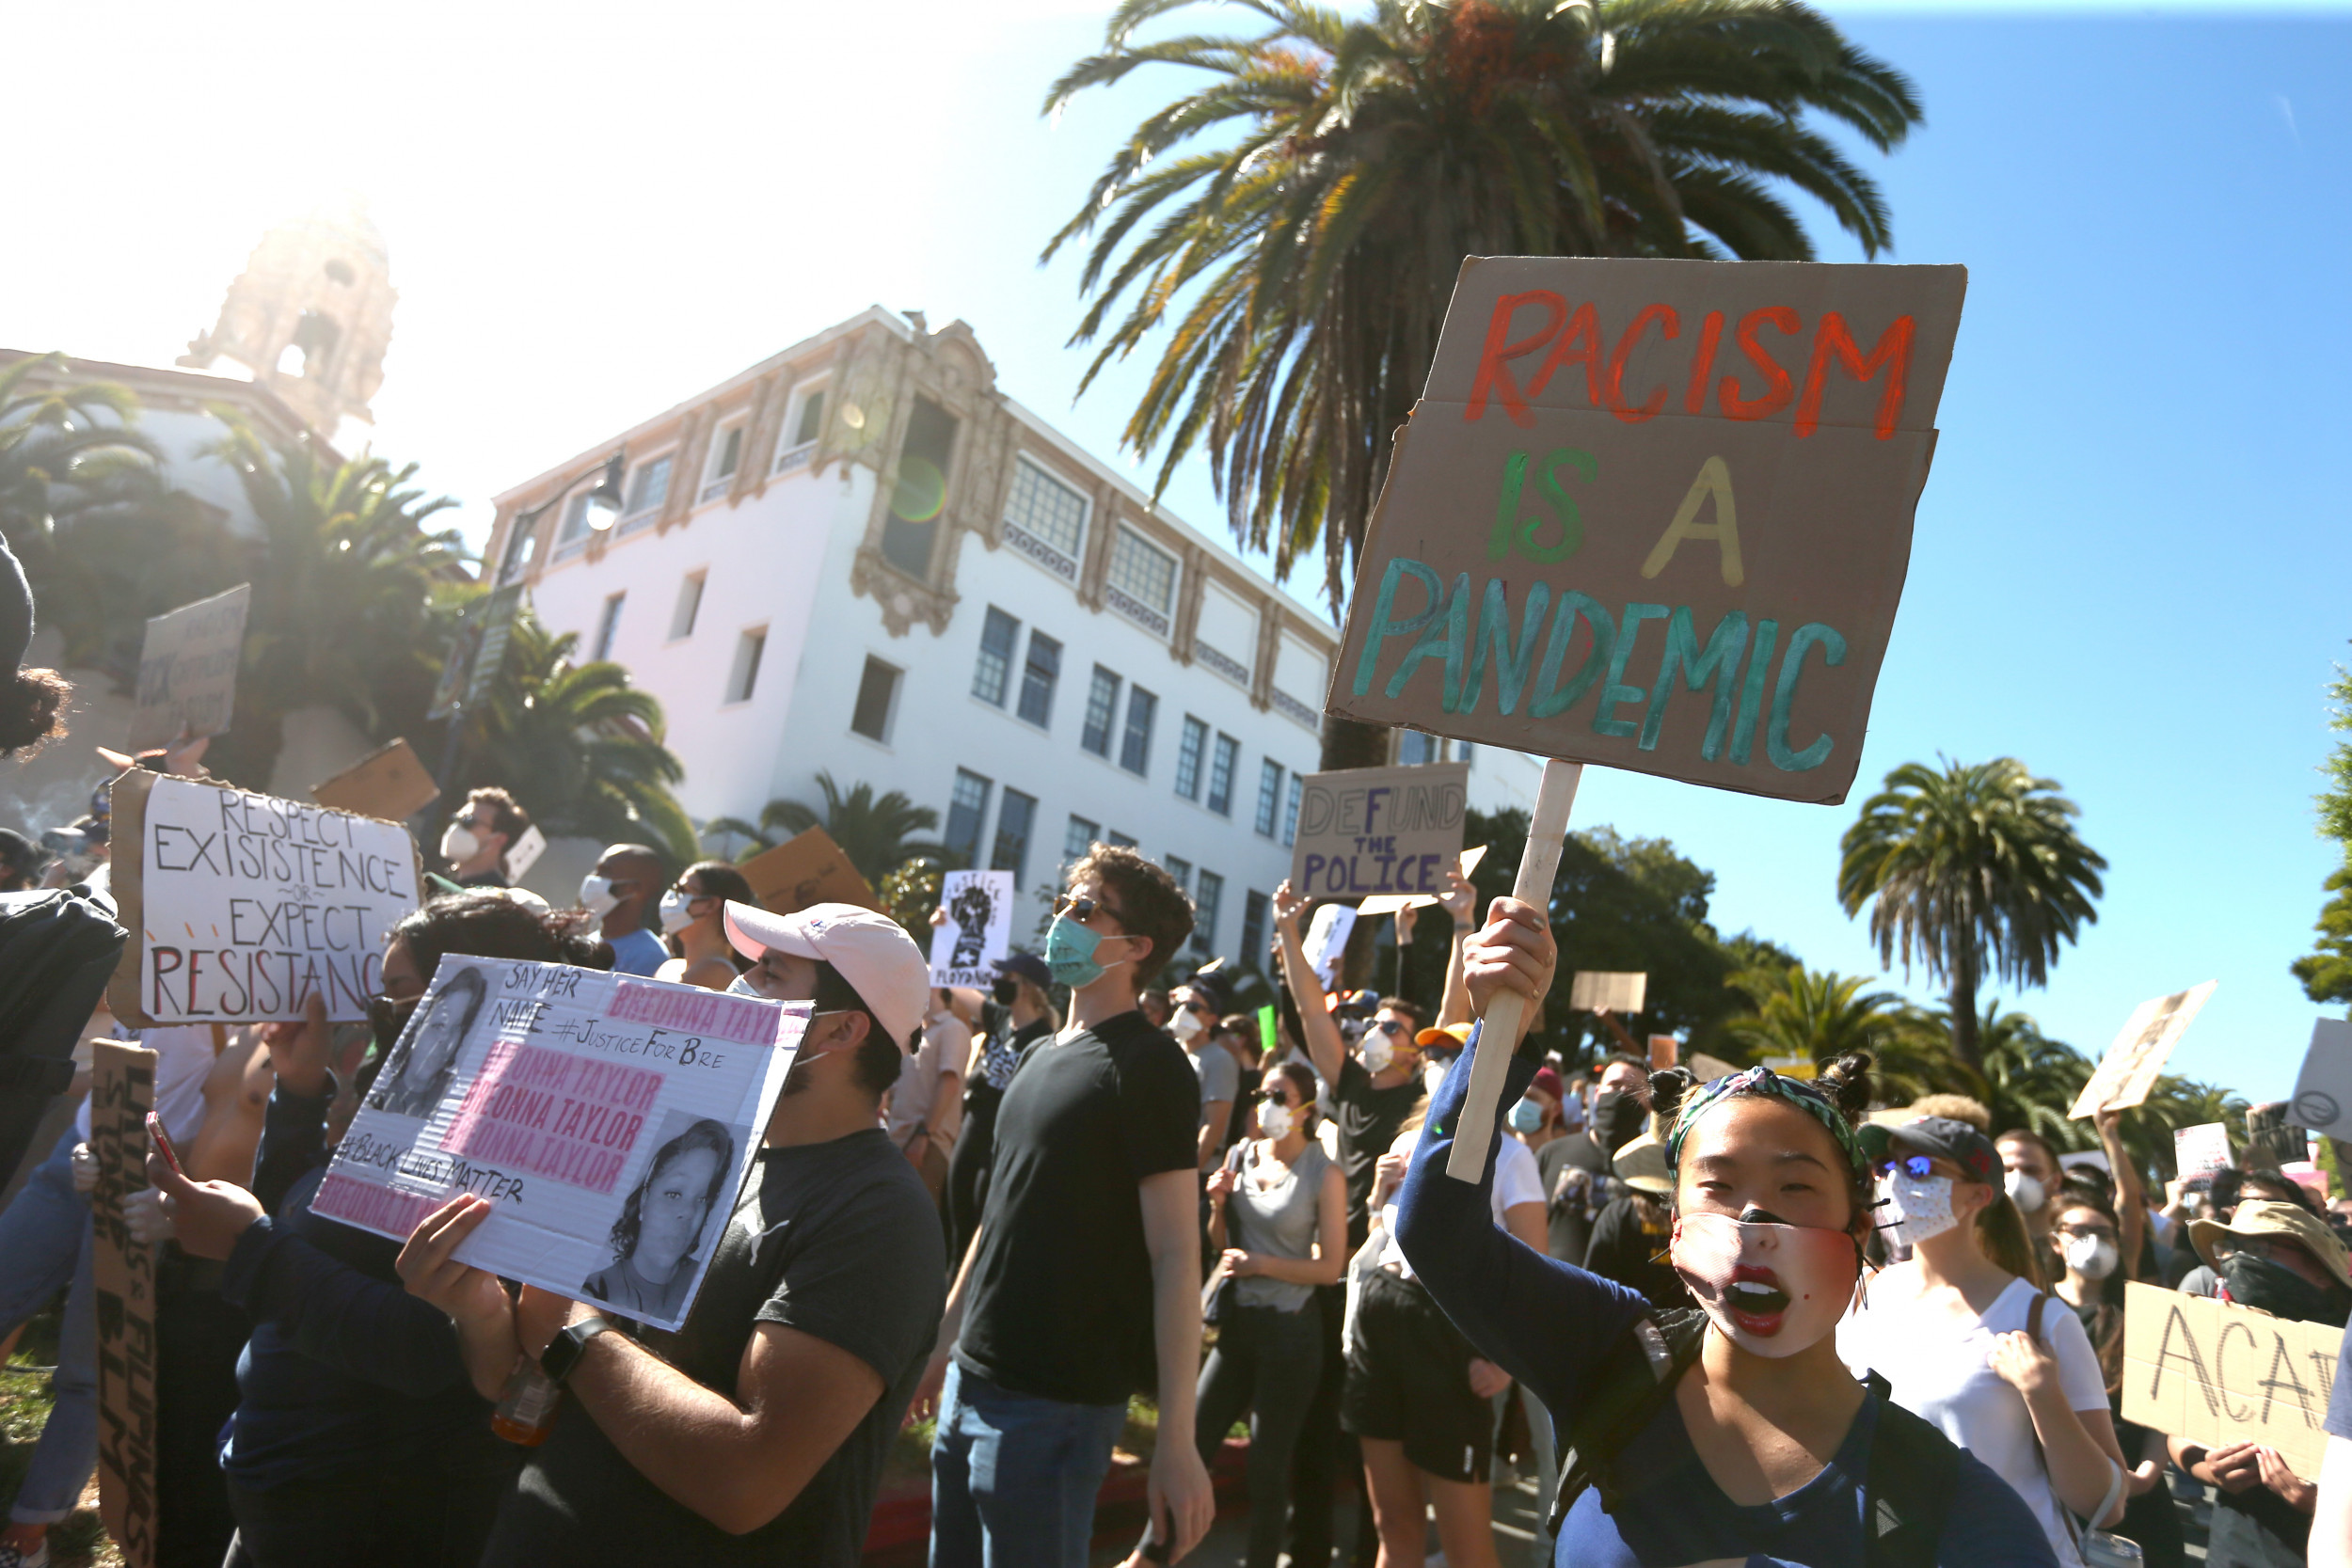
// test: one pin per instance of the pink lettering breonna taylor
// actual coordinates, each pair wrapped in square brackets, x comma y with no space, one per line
[553,1114]
[708,1013]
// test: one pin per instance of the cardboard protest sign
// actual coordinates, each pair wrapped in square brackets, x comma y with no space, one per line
[123,1091]
[1664,1051]
[1367,831]
[240,905]
[2202,1149]
[389,783]
[1598,991]
[1326,942]
[807,869]
[524,852]
[1729,451]
[978,932]
[188,670]
[2216,1373]
[1388,903]
[2323,1090]
[2129,1069]
[1707,1068]
[561,1095]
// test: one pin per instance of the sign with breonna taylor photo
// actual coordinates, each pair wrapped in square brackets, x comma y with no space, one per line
[240,906]
[2216,1373]
[2128,1070]
[608,1120]
[1656,514]
[978,928]
[188,670]
[1365,831]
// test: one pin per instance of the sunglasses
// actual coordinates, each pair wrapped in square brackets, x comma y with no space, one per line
[2087,1232]
[1917,1166]
[1081,908]
[1269,1097]
[1391,1027]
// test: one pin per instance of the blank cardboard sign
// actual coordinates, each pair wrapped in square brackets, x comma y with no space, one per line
[1655,515]
[1598,991]
[389,783]
[2323,1090]
[2129,1069]
[2216,1373]
[807,869]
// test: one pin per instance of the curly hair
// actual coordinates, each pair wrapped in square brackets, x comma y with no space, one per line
[705,1134]
[1148,898]
[32,710]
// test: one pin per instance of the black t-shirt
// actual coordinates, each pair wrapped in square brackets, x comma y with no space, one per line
[1059,1301]
[1369,1120]
[1628,1241]
[838,1240]
[1569,1231]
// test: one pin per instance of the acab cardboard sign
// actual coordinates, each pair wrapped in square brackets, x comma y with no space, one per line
[2216,1373]
[1656,514]
[240,906]
[609,1119]
[1367,831]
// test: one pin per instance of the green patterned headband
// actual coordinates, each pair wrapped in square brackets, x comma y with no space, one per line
[1763,1080]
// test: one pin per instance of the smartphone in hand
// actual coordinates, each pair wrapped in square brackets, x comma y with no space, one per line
[163,1144]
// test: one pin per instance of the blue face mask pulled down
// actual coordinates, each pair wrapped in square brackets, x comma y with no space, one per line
[1070,952]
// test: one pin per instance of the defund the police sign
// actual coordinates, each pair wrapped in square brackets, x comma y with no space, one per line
[1656,514]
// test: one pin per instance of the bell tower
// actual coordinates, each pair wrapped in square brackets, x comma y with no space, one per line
[310,315]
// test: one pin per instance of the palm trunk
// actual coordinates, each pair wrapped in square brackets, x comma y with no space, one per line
[1963,1003]
[1353,743]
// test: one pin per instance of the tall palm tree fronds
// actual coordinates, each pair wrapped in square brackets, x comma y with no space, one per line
[1296,222]
[877,833]
[1819,1016]
[578,745]
[1973,871]
[68,451]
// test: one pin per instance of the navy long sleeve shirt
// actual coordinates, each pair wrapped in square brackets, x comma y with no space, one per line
[345,1368]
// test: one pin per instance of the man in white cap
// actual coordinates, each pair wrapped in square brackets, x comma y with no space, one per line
[755,1433]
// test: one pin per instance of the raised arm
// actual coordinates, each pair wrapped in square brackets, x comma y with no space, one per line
[1460,901]
[2131,1198]
[1324,1049]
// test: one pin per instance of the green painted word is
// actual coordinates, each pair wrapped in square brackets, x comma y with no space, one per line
[1735,662]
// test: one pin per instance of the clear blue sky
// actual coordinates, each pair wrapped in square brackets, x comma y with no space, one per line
[2129,565]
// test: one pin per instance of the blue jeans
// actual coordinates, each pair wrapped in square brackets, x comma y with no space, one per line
[45,1249]
[1013,1477]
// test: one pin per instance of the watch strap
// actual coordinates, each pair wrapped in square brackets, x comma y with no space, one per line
[564,1350]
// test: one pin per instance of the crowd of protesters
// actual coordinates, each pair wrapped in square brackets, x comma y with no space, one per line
[1761,1317]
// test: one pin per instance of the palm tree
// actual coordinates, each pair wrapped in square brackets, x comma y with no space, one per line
[1975,871]
[1817,1016]
[578,745]
[1304,250]
[877,834]
[2030,1080]
[68,451]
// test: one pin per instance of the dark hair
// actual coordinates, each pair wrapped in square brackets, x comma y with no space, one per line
[1845,1083]
[704,1133]
[880,1058]
[1414,1011]
[2027,1135]
[506,817]
[1243,1027]
[32,710]
[2294,1189]
[20,856]
[1621,1058]
[719,879]
[486,923]
[1150,902]
[1302,1078]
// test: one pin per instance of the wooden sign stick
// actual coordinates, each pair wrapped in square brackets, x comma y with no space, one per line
[1546,833]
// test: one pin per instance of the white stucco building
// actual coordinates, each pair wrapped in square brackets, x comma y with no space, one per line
[860,557]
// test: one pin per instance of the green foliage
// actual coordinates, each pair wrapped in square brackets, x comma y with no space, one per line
[1795,1011]
[1973,871]
[578,745]
[68,452]
[877,833]
[1297,220]
[908,894]
[2326,971]
[2335,802]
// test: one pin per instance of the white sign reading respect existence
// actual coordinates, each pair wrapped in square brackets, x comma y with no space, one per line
[610,1121]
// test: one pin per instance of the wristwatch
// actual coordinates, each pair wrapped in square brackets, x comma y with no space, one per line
[564,1352]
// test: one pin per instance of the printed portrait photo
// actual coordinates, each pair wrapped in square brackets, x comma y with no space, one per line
[672,1220]
[419,1072]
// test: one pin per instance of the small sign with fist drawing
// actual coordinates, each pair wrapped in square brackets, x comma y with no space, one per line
[978,928]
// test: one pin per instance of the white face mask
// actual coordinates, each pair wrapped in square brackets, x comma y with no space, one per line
[2027,1191]
[675,918]
[1377,1053]
[1276,1120]
[595,895]
[739,986]
[1185,1026]
[1919,1208]
[2092,1257]
[458,844]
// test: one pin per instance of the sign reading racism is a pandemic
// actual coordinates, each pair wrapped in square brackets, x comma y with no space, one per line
[978,928]
[607,1119]
[242,906]
[1367,831]
[1656,514]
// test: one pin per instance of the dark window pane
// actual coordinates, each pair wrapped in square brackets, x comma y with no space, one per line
[1135,750]
[1101,703]
[1037,680]
[1205,898]
[995,669]
[1255,909]
[1189,748]
[1221,775]
[920,493]
[1014,815]
[876,690]
[965,808]
[1269,795]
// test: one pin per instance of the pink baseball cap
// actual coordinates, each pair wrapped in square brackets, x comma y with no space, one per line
[870,950]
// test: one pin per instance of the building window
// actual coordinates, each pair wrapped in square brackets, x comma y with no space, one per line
[1255,907]
[725,453]
[608,625]
[1190,747]
[1227,759]
[877,699]
[1205,898]
[993,672]
[1178,869]
[802,423]
[1037,679]
[1142,581]
[744,678]
[966,808]
[920,495]
[1102,703]
[1269,795]
[1462,752]
[690,604]
[1014,815]
[1045,520]
[1117,840]
[1135,747]
[648,487]
[1290,810]
[1077,839]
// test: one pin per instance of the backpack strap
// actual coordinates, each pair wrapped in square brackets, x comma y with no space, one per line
[1907,1490]
[1634,1381]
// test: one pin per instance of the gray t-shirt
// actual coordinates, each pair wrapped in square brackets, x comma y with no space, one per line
[1275,1212]
[1220,1075]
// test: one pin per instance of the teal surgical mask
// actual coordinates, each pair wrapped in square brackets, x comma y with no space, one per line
[1526,1117]
[1070,952]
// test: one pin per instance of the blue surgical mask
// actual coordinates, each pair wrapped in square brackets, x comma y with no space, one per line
[1526,1117]
[1070,952]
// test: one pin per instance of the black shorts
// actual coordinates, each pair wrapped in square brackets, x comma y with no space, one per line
[1409,1381]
